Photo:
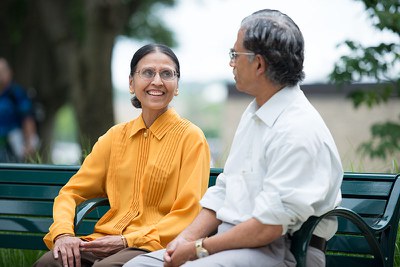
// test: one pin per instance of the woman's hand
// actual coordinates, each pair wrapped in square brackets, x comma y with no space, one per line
[68,247]
[104,246]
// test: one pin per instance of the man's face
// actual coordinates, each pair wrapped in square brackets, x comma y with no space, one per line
[5,74]
[241,65]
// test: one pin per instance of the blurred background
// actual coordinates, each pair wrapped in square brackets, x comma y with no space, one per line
[73,58]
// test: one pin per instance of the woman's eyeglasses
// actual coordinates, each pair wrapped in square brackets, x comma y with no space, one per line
[148,74]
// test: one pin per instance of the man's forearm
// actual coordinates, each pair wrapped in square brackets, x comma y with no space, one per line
[248,234]
[205,224]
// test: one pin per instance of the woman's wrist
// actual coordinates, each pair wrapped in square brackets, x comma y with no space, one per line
[124,241]
[61,235]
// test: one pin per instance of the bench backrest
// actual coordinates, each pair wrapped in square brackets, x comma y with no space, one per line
[27,193]
[376,198]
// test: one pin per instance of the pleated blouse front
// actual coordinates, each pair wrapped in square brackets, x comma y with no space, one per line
[154,179]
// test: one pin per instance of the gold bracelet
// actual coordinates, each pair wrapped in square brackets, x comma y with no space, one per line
[124,241]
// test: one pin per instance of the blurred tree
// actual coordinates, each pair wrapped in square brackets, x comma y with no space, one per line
[380,63]
[63,49]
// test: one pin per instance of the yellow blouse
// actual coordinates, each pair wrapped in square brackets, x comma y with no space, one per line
[153,178]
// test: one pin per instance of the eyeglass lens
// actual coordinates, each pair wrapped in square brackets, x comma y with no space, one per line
[165,74]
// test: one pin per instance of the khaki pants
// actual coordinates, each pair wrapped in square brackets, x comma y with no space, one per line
[89,259]
[276,254]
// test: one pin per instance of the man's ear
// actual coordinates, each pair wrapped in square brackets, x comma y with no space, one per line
[261,64]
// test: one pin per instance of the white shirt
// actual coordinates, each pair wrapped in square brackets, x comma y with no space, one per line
[282,168]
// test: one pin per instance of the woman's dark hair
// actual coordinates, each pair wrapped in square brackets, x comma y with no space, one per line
[278,39]
[145,50]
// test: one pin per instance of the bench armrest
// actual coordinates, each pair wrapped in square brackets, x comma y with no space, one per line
[86,207]
[302,237]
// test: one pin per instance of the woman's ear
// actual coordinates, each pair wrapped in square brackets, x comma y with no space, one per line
[131,90]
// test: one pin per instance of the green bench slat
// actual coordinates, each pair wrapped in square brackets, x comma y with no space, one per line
[349,244]
[366,207]
[214,172]
[86,227]
[32,177]
[42,208]
[36,173]
[19,224]
[25,241]
[348,261]
[17,191]
[346,227]
[366,188]
[39,225]
[370,176]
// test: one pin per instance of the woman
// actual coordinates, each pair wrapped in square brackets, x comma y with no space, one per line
[153,169]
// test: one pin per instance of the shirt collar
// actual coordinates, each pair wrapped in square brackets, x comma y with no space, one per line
[270,111]
[160,126]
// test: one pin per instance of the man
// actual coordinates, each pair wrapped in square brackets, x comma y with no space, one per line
[283,166]
[18,138]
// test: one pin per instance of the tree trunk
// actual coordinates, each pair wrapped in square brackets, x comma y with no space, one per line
[63,50]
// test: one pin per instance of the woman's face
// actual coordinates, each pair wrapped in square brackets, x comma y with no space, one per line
[155,93]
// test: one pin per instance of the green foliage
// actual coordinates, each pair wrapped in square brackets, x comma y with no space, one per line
[147,23]
[385,140]
[66,125]
[378,63]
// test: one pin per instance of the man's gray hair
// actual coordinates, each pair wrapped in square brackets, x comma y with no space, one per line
[278,39]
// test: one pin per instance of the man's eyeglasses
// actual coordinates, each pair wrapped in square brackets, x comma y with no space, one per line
[233,54]
[148,74]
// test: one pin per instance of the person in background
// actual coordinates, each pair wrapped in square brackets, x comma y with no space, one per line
[153,169]
[283,166]
[18,137]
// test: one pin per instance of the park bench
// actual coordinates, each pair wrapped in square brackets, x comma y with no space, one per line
[368,217]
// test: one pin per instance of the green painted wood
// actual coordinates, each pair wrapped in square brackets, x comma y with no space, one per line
[366,207]
[25,224]
[347,227]
[349,261]
[24,207]
[349,244]
[20,241]
[366,188]
[26,191]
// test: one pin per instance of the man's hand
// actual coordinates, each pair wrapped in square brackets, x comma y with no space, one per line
[183,251]
[171,247]
[104,246]
[68,247]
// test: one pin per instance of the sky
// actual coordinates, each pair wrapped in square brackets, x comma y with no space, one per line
[206,29]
